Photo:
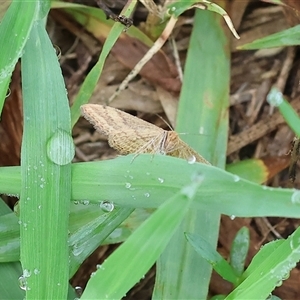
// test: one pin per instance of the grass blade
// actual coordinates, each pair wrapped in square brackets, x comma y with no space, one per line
[140,251]
[202,114]
[15,28]
[89,84]
[45,171]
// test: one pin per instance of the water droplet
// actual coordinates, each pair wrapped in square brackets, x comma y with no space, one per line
[161,180]
[128,185]
[275,97]
[85,202]
[76,202]
[279,283]
[23,283]
[201,130]
[269,297]
[57,51]
[78,290]
[93,274]
[191,160]
[236,178]
[147,195]
[76,250]
[232,217]
[296,197]
[60,148]
[26,273]
[36,271]
[8,93]
[99,266]
[107,206]
[23,280]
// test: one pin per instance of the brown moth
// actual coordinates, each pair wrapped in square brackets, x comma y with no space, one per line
[129,134]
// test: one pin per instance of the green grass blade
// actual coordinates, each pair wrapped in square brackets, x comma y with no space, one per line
[9,284]
[239,250]
[276,98]
[10,183]
[88,229]
[47,151]
[10,238]
[130,262]
[89,84]
[220,265]
[204,98]
[202,114]
[92,17]
[269,268]
[14,31]
[9,272]
[288,37]
[251,169]
[122,182]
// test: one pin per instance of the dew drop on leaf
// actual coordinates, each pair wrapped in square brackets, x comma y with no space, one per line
[60,148]
[192,159]
[23,283]
[296,197]
[107,206]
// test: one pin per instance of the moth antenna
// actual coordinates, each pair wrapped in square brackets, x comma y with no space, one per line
[170,127]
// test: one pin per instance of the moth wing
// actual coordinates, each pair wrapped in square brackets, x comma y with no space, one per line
[133,141]
[109,120]
[184,151]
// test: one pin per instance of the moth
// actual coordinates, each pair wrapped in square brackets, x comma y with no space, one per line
[128,134]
